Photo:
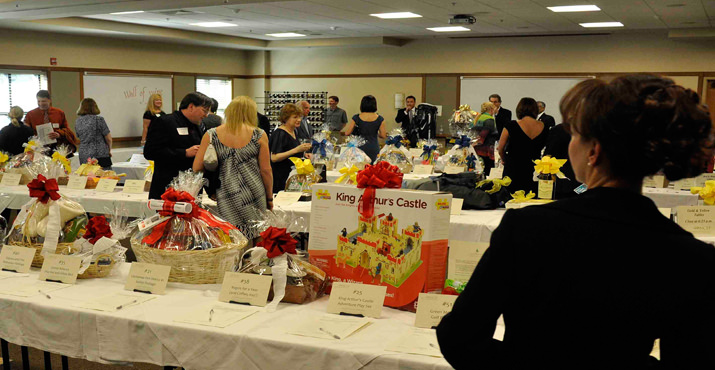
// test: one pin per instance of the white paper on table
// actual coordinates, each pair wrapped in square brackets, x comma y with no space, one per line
[9,274]
[330,327]
[115,302]
[221,317]
[30,290]
[138,159]
[43,132]
[418,342]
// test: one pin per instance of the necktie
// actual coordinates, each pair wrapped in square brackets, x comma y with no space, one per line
[47,116]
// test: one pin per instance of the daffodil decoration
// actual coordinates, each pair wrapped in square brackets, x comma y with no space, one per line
[57,157]
[3,158]
[30,146]
[706,192]
[549,165]
[520,196]
[348,175]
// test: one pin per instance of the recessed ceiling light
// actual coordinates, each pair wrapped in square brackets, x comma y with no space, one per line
[601,24]
[131,12]
[213,24]
[286,34]
[397,15]
[574,8]
[449,29]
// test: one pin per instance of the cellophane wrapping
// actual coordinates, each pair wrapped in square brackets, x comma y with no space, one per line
[302,179]
[34,160]
[430,151]
[100,244]
[323,148]
[352,154]
[462,119]
[395,153]
[461,154]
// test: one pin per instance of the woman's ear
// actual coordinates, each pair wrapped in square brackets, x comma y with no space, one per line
[595,153]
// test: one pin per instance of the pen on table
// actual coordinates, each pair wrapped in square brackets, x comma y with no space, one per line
[329,333]
[46,295]
[126,304]
[211,315]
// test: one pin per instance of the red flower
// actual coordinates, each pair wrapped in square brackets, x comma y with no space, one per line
[277,241]
[97,227]
[44,189]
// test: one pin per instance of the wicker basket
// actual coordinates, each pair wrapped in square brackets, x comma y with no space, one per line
[38,259]
[95,270]
[192,267]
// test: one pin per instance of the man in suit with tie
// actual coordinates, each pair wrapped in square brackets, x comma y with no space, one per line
[549,121]
[305,131]
[503,115]
[405,117]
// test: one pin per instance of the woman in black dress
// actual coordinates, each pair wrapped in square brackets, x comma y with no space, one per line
[284,144]
[153,110]
[592,281]
[15,134]
[369,126]
[526,138]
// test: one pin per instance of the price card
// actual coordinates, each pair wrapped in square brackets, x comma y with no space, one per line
[684,184]
[107,185]
[245,288]
[431,308]
[496,173]
[134,186]
[416,152]
[456,208]
[11,179]
[454,169]
[77,182]
[60,268]
[463,259]
[423,169]
[16,259]
[700,180]
[147,278]
[699,220]
[357,299]
[286,198]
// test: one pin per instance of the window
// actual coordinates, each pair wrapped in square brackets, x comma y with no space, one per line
[217,88]
[19,88]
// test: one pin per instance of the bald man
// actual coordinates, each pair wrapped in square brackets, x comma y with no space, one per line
[305,131]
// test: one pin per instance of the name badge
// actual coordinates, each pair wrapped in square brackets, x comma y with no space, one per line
[55,125]
[183,131]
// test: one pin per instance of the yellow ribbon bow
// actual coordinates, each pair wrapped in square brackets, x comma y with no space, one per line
[496,184]
[59,158]
[549,165]
[150,168]
[520,197]
[706,192]
[3,157]
[348,173]
[30,146]
[303,167]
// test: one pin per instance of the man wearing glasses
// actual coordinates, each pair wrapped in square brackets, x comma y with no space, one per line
[172,141]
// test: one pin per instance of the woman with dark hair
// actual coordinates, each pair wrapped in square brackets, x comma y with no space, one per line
[369,125]
[95,141]
[521,143]
[592,281]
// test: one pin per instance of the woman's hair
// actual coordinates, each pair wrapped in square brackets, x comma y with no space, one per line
[644,123]
[15,115]
[368,104]
[527,107]
[487,106]
[150,103]
[242,110]
[87,106]
[288,111]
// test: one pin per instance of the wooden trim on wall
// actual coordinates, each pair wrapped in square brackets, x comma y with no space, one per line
[49,81]
[128,138]
[459,91]
[424,88]
[81,85]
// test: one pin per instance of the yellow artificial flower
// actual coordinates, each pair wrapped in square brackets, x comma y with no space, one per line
[303,167]
[706,192]
[150,168]
[59,158]
[30,146]
[497,184]
[520,197]
[549,165]
[3,157]
[348,173]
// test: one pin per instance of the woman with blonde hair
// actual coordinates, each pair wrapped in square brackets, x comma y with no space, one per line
[15,134]
[95,141]
[153,110]
[485,126]
[244,165]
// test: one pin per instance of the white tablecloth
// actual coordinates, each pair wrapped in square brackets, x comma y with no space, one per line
[132,170]
[147,332]
[118,155]
[671,198]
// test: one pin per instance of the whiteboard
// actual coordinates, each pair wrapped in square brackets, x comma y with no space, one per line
[122,99]
[476,90]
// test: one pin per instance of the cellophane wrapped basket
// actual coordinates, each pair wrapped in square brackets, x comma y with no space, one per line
[99,248]
[462,154]
[323,149]
[395,153]
[430,152]
[302,176]
[33,161]
[462,119]
[352,154]
[49,222]
[198,246]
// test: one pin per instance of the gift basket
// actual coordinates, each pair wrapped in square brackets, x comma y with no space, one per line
[323,149]
[302,177]
[31,161]
[94,173]
[99,248]
[462,154]
[4,157]
[295,280]
[352,154]
[429,154]
[395,153]
[462,119]
[197,245]
[61,163]
[49,222]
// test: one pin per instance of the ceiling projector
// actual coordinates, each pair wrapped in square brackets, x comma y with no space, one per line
[462,19]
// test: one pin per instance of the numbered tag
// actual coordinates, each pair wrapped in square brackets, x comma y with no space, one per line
[357,299]
[454,169]
[16,259]
[245,288]
[77,182]
[11,179]
[147,278]
[496,173]
[60,268]
[431,308]
[107,185]
[423,169]
[134,186]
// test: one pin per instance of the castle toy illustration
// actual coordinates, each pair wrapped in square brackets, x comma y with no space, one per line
[388,255]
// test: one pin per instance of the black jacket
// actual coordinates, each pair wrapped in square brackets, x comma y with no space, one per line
[167,149]
[404,120]
[264,124]
[549,121]
[586,283]
[502,118]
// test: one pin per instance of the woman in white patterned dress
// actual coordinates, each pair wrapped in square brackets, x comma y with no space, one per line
[244,165]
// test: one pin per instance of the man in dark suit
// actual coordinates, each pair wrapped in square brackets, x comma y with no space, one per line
[305,131]
[503,115]
[549,121]
[264,124]
[173,141]
[405,118]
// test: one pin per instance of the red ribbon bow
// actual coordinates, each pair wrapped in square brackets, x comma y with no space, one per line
[381,175]
[44,189]
[277,241]
[172,197]
[97,227]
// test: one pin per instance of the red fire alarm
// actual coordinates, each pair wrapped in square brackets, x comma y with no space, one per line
[53,61]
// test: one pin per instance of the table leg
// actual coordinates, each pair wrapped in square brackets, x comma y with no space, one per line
[48,361]
[25,358]
[65,363]
[5,354]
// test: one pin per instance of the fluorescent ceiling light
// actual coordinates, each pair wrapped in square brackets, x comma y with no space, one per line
[573,8]
[286,34]
[396,15]
[214,24]
[601,24]
[131,12]
[449,29]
